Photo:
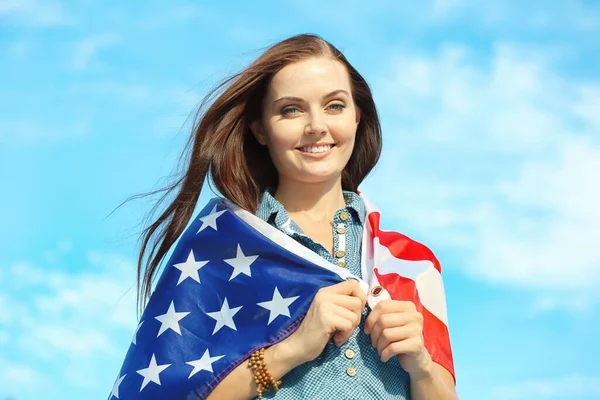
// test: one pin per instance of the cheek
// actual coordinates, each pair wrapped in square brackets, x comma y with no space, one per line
[280,143]
[346,131]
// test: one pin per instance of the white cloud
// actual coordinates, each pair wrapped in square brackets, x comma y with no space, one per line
[444,7]
[570,302]
[18,375]
[572,386]
[20,49]
[503,159]
[37,13]
[77,320]
[533,15]
[176,15]
[31,132]
[86,50]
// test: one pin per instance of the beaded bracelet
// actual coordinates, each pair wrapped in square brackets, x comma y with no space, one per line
[264,381]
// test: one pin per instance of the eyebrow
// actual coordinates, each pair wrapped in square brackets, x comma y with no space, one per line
[290,98]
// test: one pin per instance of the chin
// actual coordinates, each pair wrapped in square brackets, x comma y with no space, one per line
[321,177]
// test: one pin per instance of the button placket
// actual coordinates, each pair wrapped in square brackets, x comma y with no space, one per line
[340,252]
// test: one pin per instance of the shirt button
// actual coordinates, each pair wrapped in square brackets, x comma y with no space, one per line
[341,264]
[340,254]
[349,354]
[376,291]
[344,215]
[341,230]
[351,371]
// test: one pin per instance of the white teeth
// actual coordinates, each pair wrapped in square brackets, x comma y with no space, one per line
[315,149]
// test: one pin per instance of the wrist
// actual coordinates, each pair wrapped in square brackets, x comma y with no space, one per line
[286,355]
[425,371]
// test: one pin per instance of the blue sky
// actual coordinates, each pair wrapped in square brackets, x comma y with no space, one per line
[491,120]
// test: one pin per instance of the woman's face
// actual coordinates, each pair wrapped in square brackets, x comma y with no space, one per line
[309,121]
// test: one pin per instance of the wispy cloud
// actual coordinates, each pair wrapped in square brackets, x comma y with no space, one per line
[34,13]
[13,374]
[86,50]
[527,215]
[78,320]
[31,132]
[571,387]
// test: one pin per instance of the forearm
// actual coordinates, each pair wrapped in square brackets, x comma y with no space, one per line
[431,386]
[240,385]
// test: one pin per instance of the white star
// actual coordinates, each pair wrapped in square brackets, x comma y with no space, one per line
[136,332]
[203,364]
[151,373]
[170,320]
[224,317]
[210,219]
[278,306]
[241,263]
[115,389]
[189,268]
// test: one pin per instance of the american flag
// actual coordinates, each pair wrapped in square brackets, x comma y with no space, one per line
[235,284]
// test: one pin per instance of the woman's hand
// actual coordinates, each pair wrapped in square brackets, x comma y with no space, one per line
[335,310]
[396,329]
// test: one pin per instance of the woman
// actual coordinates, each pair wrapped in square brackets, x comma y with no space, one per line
[287,144]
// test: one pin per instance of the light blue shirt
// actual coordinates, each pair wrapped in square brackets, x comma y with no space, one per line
[353,370]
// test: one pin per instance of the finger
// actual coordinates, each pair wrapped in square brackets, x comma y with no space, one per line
[388,321]
[396,334]
[412,347]
[346,287]
[341,337]
[344,329]
[385,307]
[349,287]
[349,302]
[346,314]
[359,293]
[344,322]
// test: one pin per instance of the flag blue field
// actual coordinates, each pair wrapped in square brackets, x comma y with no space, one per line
[491,124]
[230,305]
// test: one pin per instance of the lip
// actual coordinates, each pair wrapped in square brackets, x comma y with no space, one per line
[316,156]
[316,144]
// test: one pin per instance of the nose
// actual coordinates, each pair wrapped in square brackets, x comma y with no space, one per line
[316,125]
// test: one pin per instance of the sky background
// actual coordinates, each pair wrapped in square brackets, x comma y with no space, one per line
[491,121]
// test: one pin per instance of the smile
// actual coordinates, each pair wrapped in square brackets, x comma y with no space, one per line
[316,149]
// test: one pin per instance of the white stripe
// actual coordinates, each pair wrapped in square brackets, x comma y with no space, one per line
[283,240]
[427,278]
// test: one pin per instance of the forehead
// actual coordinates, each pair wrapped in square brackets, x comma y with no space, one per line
[314,75]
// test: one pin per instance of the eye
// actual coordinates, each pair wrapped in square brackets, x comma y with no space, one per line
[289,110]
[337,106]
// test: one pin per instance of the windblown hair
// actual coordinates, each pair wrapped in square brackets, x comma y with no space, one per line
[240,168]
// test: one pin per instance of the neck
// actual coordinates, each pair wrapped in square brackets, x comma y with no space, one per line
[315,201]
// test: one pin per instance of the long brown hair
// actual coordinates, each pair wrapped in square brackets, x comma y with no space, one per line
[240,168]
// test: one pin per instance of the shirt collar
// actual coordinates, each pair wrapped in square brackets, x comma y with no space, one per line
[271,210]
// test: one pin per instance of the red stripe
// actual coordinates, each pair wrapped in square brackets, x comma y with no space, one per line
[435,331]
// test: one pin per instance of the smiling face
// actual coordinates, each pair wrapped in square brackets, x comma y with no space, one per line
[309,121]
